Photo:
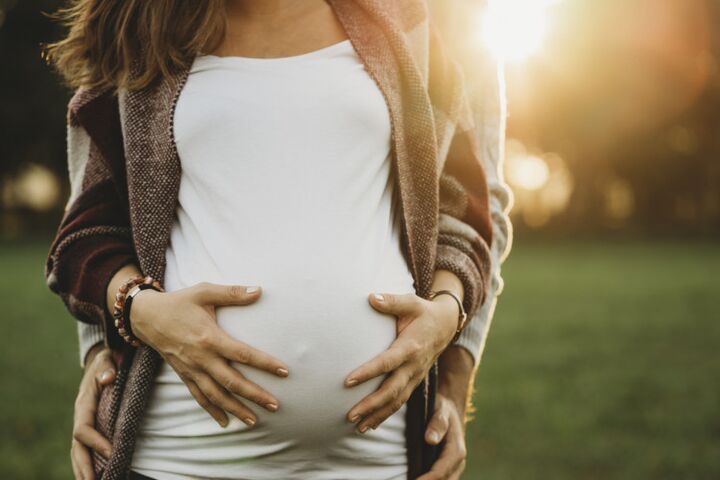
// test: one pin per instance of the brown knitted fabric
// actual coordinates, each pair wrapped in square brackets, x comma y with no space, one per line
[443,193]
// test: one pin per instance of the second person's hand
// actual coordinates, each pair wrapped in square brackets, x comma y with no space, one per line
[182,327]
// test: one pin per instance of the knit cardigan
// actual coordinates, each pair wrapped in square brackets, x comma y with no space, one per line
[125,173]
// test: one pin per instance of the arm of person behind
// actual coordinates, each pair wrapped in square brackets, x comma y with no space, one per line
[484,79]
[487,86]
[93,241]
[473,224]
[460,361]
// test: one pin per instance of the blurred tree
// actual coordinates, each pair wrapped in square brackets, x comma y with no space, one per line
[628,91]
[32,118]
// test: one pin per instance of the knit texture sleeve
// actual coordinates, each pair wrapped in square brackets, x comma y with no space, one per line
[474,226]
[464,223]
[487,90]
[486,84]
[89,335]
[93,240]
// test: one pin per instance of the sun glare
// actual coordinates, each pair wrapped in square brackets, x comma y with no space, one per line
[513,30]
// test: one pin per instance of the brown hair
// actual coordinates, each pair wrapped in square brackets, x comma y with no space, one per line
[106,37]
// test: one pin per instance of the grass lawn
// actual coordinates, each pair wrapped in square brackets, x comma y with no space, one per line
[602,362]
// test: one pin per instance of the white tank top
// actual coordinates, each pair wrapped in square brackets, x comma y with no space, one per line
[287,184]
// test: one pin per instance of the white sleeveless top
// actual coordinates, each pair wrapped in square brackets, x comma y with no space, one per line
[287,184]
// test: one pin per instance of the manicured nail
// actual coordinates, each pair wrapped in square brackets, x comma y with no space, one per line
[105,375]
[379,297]
[252,289]
[363,428]
[351,382]
[249,421]
[282,372]
[434,437]
[355,418]
[272,407]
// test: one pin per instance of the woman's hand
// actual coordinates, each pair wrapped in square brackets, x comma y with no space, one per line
[99,372]
[446,424]
[182,327]
[425,328]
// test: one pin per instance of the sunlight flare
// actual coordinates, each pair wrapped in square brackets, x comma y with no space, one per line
[513,30]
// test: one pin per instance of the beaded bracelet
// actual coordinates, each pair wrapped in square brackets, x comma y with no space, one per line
[123,300]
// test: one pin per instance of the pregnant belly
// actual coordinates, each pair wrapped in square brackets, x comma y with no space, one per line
[322,331]
[322,334]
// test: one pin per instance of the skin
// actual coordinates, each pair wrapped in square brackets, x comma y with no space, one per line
[99,372]
[456,373]
[275,28]
[425,328]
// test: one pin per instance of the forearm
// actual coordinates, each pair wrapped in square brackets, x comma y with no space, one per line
[447,280]
[456,372]
[90,336]
[456,366]
[120,277]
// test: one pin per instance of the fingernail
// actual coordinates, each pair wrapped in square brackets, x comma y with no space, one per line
[355,418]
[351,382]
[252,289]
[272,407]
[223,422]
[105,375]
[378,297]
[434,437]
[282,372]
[249,421]
[363,428]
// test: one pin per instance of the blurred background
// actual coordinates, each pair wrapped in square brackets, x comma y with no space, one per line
[603,357]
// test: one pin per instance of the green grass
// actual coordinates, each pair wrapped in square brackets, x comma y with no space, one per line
[602,362]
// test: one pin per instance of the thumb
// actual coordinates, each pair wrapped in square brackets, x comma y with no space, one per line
[106,376]
[397,304]
[214,294]
[438,426]
[106,368]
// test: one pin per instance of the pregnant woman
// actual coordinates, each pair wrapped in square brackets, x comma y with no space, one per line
[269,171]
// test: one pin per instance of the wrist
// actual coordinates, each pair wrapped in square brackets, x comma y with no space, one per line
[123,303]
[448,281]
[138,313]
[449,315]
[456,375]
[460,316]
[120,277]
